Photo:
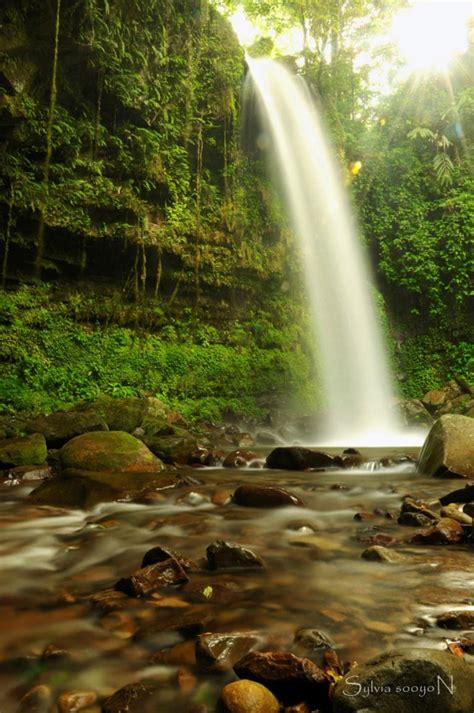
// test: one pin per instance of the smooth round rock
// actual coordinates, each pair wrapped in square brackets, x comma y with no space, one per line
[247,697]
[109,451]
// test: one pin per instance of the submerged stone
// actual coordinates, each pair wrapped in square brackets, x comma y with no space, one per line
[260,496]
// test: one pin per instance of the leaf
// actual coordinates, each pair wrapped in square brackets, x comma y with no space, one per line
[455,649]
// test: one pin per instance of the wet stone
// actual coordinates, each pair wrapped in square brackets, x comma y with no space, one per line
[132,698]
[239,459]
[312,643]
[462,495]
[143,581]
[37,700]
[204,456]
[245,696]
[414,519]
[221,555]
[445,532]
[452,511]
[75,701]
[161,554]
[291,678]
[219,652]
[377,553]
[109,600]
[456,620]
[410,505]
[260,496]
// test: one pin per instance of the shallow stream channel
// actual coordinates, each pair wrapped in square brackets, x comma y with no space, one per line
[65,629]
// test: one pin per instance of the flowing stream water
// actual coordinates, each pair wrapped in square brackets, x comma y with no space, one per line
[348,344]
[52,560]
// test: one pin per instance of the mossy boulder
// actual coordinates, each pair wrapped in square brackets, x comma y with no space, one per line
[58,428]
[109,451]
[172,444]
[28,450]
[448,451]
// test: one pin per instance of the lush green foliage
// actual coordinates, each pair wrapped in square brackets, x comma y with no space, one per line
[50,360]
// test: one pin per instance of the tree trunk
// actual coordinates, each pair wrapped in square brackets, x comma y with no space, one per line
[49,147]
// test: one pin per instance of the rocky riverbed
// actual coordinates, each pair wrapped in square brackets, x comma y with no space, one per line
[266,585]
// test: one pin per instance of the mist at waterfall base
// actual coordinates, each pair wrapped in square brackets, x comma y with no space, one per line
[351,361]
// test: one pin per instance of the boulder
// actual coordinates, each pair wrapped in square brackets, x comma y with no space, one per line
[245,696]
[448,451]
[109,451]
[298,458]
[28,450]
[408,681]
[58,428]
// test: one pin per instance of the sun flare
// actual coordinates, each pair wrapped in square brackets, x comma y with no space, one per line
[430,33]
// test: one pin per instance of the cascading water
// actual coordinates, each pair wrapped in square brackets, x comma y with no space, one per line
[350,352]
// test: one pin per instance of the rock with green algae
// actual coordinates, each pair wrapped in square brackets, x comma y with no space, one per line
[58,428]
[244,696]
[113,451]
[28,450]
[102,466]
[175,446]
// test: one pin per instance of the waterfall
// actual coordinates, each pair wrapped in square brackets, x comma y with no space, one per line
[349,346]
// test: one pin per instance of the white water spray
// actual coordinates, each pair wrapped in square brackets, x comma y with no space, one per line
[350,352]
